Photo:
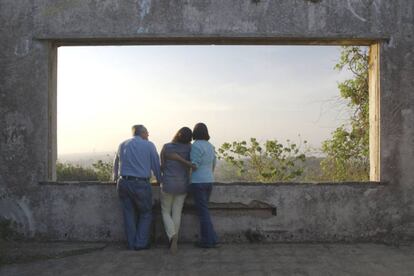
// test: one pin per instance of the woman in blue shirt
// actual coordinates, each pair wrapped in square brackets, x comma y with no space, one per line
[175,183]
[203,157]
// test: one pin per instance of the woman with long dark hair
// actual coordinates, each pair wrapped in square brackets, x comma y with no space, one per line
[204,158]
[175,183]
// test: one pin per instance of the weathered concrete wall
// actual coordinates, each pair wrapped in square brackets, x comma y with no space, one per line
[29,29]
[241,212]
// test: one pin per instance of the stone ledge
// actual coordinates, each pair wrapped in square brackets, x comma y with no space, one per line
[365,184]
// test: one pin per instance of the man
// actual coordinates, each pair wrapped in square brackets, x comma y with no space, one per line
[134,161]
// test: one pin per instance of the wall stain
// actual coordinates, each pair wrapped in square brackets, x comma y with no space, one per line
[22,48]
[16,218]
[351,9]
[52,10]
[14,135]
[144,7]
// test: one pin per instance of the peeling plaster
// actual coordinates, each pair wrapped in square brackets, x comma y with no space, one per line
[23,47]
[142,30]
[144,8]
[25,209]
[370,192]
[351,9]
[19,212]
[17,128]
[391,42]
[377,4]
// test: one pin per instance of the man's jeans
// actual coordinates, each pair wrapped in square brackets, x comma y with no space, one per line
[136,200]
[201,193]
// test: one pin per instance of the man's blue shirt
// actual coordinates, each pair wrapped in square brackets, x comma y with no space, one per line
[137,157]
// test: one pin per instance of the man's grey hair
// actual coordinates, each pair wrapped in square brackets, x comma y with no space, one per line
[137,130]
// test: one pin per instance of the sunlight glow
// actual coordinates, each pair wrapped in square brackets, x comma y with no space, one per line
[238,91]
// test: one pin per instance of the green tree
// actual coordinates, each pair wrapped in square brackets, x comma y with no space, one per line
[269,162]
[100,171]
[70,172]
[103,170]
[347,151]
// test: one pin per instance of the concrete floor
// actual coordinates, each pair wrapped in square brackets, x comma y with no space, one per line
[234,259]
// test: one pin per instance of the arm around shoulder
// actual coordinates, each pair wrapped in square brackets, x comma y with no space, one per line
[155,162]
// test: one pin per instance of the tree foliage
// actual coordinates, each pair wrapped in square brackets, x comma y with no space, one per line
[347,151]
[70,172]
[269,162]
[103,170]
[100,171]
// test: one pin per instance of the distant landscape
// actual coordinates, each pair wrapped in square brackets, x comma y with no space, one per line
[86,159]
[224,172]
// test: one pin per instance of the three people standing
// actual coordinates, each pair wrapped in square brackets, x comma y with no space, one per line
[137,157]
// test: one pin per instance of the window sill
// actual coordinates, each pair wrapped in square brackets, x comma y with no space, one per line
[366,184]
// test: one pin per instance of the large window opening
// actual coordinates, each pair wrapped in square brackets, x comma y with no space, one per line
[275,113]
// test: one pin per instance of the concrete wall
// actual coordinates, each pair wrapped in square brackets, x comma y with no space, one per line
[241,212]
[30,29]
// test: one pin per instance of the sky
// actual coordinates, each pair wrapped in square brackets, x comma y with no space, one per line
[267,92]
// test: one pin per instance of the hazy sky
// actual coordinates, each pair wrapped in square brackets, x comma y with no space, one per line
[268,92]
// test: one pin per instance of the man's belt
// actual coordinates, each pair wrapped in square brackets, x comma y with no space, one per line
[128,177]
